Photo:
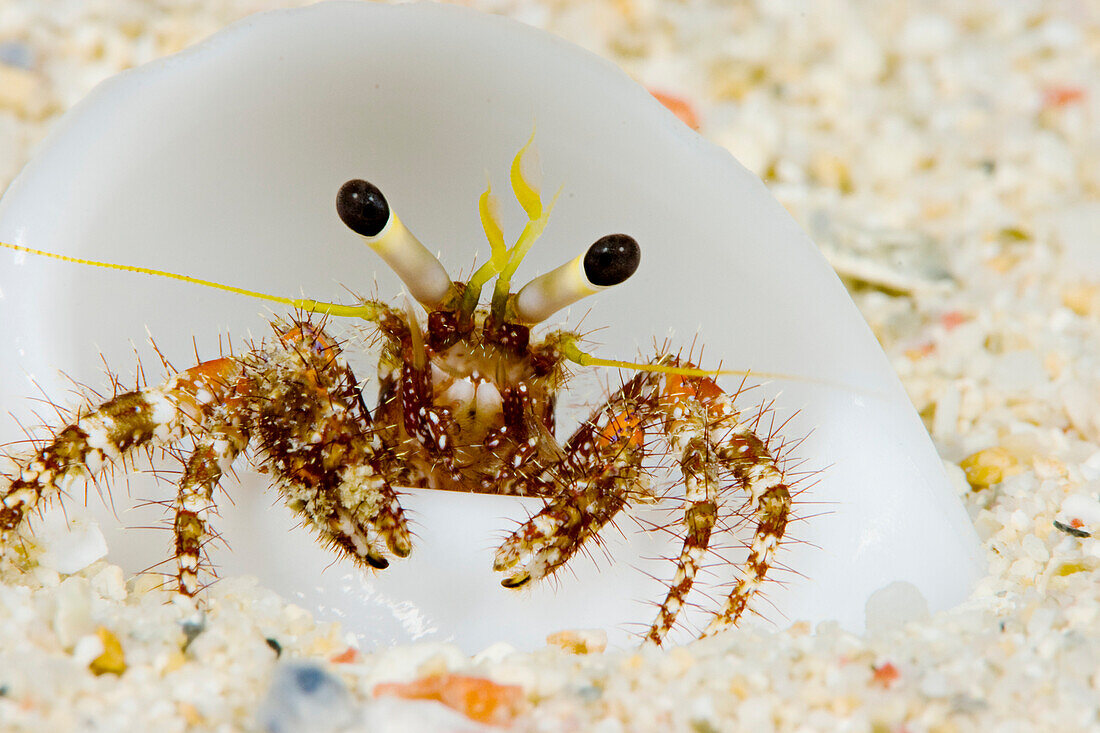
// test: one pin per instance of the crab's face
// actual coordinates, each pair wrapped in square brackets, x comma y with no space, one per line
[468,378]
[471,370]
[483,361]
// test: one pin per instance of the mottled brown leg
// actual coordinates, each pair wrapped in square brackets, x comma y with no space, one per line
[599,473]
[703,429]
[687,425]
[770,498]
[195,500]
[102,437]
[322,448]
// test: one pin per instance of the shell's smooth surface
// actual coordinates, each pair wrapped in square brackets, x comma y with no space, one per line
[223,162]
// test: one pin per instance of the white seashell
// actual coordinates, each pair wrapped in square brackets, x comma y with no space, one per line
[222,162]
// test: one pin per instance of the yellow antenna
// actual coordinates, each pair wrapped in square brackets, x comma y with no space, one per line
[573,353]
[372,311]
[366,311]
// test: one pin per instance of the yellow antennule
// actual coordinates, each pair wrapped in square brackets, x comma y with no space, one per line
[523,245]
[490,221]
[498,258]
[527,193]
[366,311]
[537,216]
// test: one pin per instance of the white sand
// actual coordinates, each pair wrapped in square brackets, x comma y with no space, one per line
[950,152]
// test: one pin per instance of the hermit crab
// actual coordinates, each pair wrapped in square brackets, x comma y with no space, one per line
[466,402]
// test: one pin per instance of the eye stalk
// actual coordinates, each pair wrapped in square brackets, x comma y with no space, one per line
[609,261]
[367,213]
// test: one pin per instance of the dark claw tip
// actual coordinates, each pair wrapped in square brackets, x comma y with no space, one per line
[612,259]
[515,582]
[362,207]
[378,562]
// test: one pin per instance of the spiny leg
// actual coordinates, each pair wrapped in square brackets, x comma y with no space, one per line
[598,474]
[522,472]
[603,459]
[102,437]
[214,450]
[704,428]
[320,444]
[550,538]
[687,426]
[770,498]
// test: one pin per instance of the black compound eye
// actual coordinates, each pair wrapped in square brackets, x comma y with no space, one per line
[612,259]
[362,207]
